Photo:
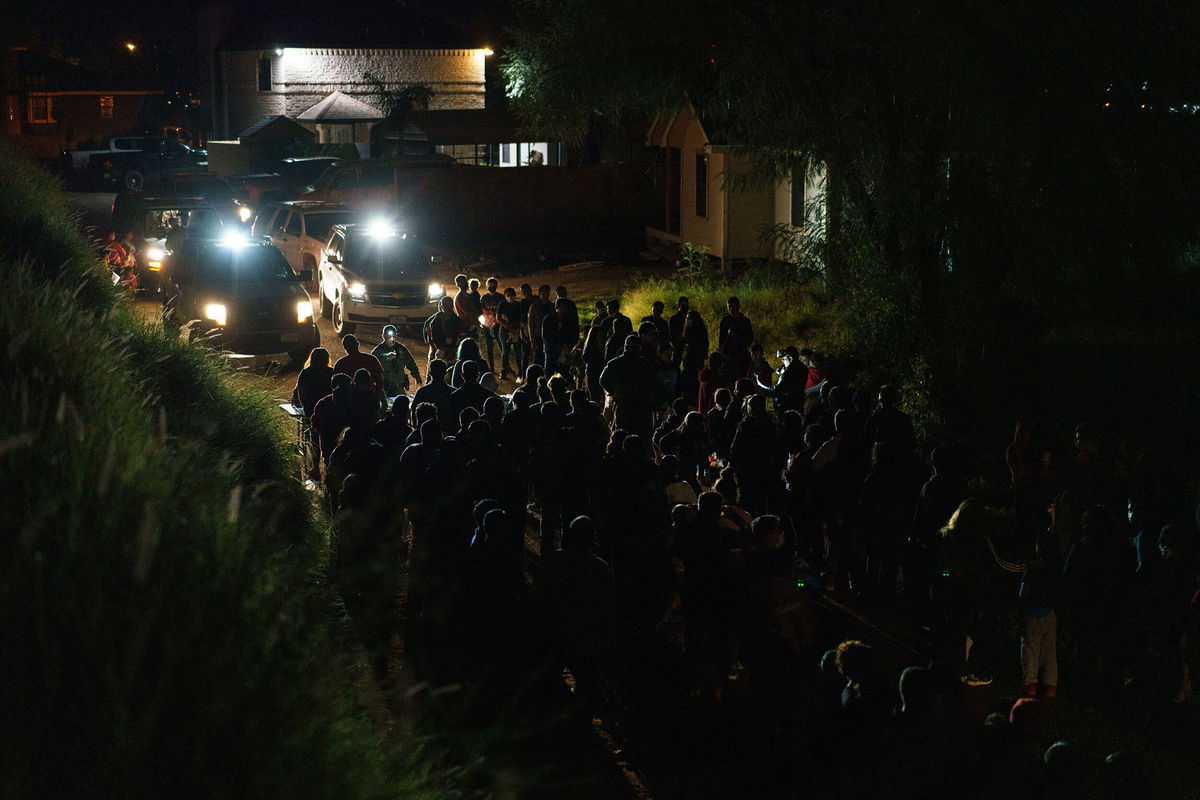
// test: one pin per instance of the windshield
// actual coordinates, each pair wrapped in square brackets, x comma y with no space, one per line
[385,257]
[319,223]
[304,172]
[242,265]
[160,221]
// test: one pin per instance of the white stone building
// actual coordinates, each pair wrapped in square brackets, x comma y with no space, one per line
[288,66]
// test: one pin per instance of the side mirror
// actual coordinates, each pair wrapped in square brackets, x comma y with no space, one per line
[305,275]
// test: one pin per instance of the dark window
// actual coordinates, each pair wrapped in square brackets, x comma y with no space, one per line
[279,221]
[346,179]
[293,226]
[264,74]
[39,109]
[376,176]
[317,225]
[701,185]
[674,179]
[798,200]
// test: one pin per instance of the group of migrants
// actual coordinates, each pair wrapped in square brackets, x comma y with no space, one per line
[706,495]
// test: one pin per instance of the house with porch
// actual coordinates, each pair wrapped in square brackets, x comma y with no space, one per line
[699,203]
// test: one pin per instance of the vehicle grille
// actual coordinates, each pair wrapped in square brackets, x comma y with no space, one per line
[398,296]
[263,315]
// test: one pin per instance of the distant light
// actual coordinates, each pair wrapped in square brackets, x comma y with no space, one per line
[487,51]
[381,227]
[130,46]
[216,312]
[1107,105]
[278,51]
[245,213]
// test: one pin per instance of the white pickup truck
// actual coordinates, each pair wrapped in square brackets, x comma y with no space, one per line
[115,144]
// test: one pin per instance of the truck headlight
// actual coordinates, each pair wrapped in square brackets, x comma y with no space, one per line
[435,291]
[215,312]
[154,258]
[303,310]
[358,292]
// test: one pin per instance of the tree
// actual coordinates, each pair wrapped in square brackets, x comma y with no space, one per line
[983,159]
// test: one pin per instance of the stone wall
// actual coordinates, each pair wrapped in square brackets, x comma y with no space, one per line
[301,77]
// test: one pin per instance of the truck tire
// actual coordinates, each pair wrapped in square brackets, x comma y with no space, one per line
[340,325]
[133,179]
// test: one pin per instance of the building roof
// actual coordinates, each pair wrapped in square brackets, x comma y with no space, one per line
[353,24]
[339,107]
[274,126]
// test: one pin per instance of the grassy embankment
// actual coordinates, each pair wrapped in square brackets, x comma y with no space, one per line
[163,615]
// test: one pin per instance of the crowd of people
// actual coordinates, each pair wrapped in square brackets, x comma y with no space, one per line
[704,495]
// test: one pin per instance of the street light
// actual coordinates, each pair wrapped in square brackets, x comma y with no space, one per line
[130,46]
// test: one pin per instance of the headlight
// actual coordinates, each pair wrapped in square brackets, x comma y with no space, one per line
[358,292]
[436,291]
[154,258]
[245,213]
[215,312]
[303,310]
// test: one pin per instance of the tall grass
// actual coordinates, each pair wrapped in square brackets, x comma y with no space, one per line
[163,617]
[783,312]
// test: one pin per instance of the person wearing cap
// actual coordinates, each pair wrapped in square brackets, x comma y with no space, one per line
[395,358]
[788,391]
[634,388]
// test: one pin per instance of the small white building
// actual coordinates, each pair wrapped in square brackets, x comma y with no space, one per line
[286,66]
[699,203]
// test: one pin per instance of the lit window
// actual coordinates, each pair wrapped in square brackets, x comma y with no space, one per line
[106,106]
[41,109]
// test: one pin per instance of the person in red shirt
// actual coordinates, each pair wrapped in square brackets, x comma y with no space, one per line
[355,360]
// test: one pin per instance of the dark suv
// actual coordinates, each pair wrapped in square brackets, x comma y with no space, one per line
[241,295]
[158,222]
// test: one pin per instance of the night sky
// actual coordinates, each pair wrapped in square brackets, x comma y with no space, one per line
[94,32]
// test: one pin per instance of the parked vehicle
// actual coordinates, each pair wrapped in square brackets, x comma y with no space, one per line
[212,187]
[376,183]
[133,169]
[293,177]
[241,295]
[159,223]
[375,274]
[300,228]
[114,144]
